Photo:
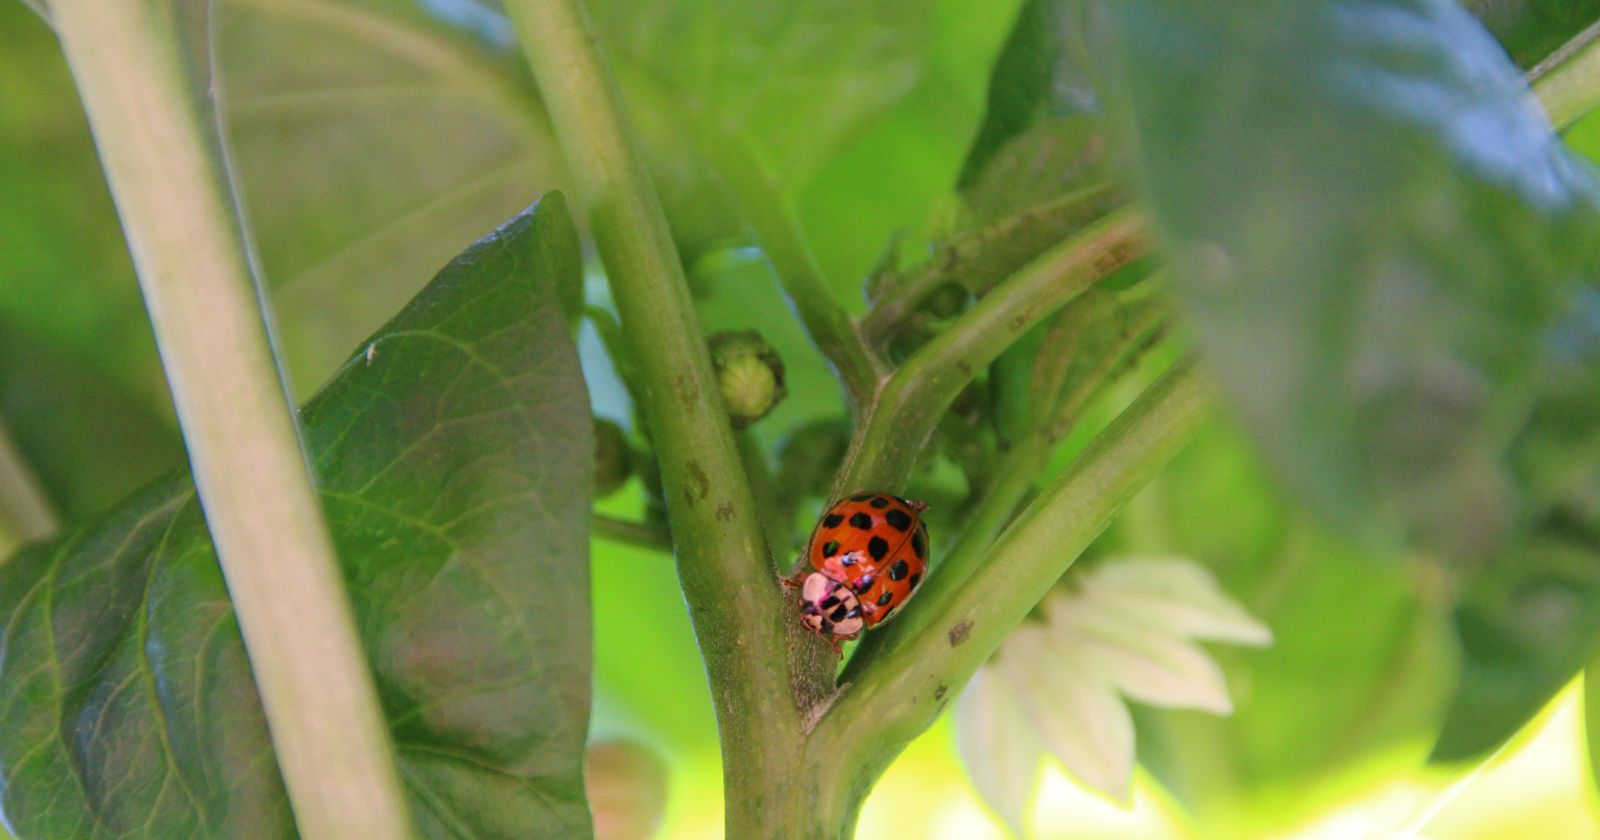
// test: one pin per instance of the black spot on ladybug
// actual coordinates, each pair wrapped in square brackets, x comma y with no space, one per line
[938,693]
[916,579]
[885,598]
[832,520]
[830,548]
[855,613]
[898,519]
[899,570]
[830,603]
[862,521]
[860,497]
[960,632]
[919,543]
[880,502]
[878,547]
[839,614]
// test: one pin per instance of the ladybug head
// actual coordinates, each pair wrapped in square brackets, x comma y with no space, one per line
[829,607]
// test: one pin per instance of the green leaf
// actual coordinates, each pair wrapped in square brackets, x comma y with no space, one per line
[452,453]
[1530,30]
[1374,230]
[1528,623]
[371,139]
[830,95]
[1362,665]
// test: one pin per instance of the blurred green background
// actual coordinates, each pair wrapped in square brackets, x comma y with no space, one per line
[375,138]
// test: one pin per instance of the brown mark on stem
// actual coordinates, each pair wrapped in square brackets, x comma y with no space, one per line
[702,482]
[960,632]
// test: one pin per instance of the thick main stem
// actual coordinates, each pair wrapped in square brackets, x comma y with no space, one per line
[762,669]
[154,124]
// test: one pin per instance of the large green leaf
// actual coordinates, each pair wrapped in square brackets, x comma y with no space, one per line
[452,453]
[829,94]
[1530,30]
[1374,230]
[1360,671]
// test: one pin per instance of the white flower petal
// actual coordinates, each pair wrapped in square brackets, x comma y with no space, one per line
[1000,751]
[1073,709]
[1155,668]
[1176,594]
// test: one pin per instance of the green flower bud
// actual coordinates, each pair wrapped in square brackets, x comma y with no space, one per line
[613,460]
[749,374]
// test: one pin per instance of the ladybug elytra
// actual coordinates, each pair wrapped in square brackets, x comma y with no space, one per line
[867,555]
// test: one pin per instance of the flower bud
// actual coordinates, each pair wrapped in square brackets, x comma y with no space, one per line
[749,374]
[613,461]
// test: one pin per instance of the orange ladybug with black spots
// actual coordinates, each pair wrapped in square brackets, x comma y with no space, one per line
[868,555]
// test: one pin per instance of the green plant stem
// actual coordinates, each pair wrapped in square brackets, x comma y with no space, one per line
[963,260]
[632,533]
[150,108]
[910,403]
[26,513]
[931,652]
[859,369]
[780,535]
[748,637]
[1567,83]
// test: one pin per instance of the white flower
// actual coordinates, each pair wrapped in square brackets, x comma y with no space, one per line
[1126,629]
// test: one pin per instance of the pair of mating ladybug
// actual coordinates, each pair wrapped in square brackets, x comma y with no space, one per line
[869,553]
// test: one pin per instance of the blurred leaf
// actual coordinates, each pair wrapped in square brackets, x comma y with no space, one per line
[1363,661]
[75,344]
[1125,629]
[1530,30]
[1373,228]
[627,787]
[90,442]
[370,139]
[1528,624]
[452,453]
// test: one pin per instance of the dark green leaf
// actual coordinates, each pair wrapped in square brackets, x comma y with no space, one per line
[453,456]
[1374,230]
[1528,623]
[1530,30]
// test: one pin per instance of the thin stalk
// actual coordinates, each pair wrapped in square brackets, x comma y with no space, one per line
[772,221]
[925,662]
[1567,82]
[747,635]
[155,127]
[910,404]
[970,259]
[26,513]
[628,532]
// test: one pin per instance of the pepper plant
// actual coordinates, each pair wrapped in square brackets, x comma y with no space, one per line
[1308,291]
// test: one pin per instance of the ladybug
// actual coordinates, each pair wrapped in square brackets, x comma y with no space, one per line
[867,555]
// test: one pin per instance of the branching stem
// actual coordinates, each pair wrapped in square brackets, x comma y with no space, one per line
[910,403]
[932,651]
